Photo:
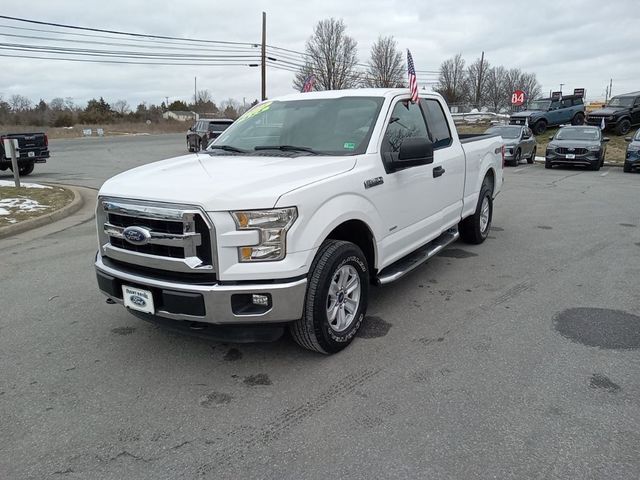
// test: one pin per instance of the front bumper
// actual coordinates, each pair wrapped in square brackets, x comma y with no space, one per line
[589,159]
[213,303]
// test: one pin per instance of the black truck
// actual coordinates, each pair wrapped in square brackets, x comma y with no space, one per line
[620,114]
[32,148]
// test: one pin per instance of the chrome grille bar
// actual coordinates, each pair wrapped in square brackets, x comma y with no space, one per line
[159,238]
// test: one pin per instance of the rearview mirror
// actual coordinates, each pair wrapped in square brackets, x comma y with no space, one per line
[628,139]
[414,151]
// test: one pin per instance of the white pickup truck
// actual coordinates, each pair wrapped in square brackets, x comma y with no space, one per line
[290,215]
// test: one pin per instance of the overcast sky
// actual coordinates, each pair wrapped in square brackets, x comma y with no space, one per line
[578,43]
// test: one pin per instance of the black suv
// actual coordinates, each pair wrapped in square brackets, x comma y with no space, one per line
[205,130]
[620,113]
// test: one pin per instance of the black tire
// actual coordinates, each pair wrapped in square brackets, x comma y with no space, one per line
[533,155]
[623,127]
[578,119]
[517,157]
[25,169]
[189,147]
[595,166]
[314,330]
[626,168]
[540,127]
[471,229]
[547,164]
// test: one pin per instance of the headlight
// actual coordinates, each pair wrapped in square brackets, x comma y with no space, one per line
[272,225]
[594,148]
[633,148]
[610,117]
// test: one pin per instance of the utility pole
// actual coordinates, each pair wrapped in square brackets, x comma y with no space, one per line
[561,85]
[610,87]
[195,92]
[479,81]
[264,56]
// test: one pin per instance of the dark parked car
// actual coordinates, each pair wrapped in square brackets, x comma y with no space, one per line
[632,158]
[579,145]
[547,112]
[205,130]
[32,148]
[620,114]
[519,142]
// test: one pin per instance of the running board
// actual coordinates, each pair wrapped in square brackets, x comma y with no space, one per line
[412,261]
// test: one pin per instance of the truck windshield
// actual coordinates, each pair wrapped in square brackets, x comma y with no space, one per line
[620,102]
[578,134]
[540,105]
[325,126]
[505,132]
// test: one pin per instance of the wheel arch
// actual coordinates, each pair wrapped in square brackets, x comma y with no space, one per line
[357,232]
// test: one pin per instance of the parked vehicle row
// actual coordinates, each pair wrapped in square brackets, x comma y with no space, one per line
[32,148]
[301,204]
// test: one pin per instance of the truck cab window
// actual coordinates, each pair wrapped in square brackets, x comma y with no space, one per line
[437,122]
[406,121]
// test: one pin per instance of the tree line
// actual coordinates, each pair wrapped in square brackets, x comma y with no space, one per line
[64,112]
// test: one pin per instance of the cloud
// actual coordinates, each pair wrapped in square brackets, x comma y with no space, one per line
[577,43]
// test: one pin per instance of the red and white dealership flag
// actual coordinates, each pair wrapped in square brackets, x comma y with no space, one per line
[413,81]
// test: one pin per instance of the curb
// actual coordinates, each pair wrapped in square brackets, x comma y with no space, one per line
[66,211]
[606,164]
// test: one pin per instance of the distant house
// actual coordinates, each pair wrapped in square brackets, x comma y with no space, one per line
[181,116]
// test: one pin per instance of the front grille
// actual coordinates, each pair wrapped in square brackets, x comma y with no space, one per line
[595,120]
[576,151]
[174,237]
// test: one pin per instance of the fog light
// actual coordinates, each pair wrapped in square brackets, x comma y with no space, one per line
[262,300]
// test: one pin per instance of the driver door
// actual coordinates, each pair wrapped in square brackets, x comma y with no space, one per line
[406,198]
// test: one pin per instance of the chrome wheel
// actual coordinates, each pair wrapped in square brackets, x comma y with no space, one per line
[344,298]
[484,215]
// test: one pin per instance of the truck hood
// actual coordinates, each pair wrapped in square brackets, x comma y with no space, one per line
[606,111]
[574,143]
[221,182]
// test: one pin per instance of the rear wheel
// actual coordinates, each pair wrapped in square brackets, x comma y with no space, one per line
[578,119]
[533,155]
[623,127]
[540,127]
[475,229]
[626,168]
[25,169]
[336,298]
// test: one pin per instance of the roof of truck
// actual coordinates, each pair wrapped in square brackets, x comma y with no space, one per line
[354,92]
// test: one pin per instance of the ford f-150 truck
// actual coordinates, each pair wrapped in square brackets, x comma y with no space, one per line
[289,216]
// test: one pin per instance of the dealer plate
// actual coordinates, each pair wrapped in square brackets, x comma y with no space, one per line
[31,154]
[138,299]
[571,156]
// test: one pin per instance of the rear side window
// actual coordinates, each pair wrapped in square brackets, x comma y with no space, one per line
[567,103]
[437,124]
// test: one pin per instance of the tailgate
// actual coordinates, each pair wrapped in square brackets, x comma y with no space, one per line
[29,141]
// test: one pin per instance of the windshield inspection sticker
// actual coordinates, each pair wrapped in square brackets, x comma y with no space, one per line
[255,111]
[349,146]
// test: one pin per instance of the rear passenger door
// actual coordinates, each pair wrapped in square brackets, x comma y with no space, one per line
[448,164]
[635,111]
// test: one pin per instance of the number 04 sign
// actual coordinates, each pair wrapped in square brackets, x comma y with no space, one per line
[517,98]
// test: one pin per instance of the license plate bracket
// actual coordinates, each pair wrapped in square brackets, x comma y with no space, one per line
[571,156]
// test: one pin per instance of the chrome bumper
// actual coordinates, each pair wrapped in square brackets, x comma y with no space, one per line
[287,299]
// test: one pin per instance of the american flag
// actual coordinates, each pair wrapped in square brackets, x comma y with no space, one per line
[413,81]
[308,84]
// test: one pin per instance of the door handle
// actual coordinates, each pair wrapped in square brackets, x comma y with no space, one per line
[438,171]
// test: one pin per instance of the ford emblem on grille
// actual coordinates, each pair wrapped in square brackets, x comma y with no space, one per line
[136,235]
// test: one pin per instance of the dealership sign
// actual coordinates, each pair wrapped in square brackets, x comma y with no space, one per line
[517,98]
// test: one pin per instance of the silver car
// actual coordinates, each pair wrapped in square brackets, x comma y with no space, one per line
[519,142]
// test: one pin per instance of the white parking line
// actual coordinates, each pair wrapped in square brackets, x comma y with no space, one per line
[605,173]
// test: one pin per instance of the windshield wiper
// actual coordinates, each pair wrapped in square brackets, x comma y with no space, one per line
[287,148]
[227,148]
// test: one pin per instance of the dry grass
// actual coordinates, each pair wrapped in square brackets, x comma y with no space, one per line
[616,148]
[50,199]
[115,129]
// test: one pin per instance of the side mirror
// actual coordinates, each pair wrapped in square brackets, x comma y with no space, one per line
[191,128]
[605,139]
[628,139]
[551,138]
[414,151]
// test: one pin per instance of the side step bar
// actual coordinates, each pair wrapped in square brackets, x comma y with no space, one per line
[412,261]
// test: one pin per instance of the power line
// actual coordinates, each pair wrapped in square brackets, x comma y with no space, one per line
[88,60]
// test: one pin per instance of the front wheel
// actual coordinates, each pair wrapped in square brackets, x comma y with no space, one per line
[475,229]
[540,127]
[623,127]
[517,157]
[578,119]
[626,168]
[336,298]
[547,164]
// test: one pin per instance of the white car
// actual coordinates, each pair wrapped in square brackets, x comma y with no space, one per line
[289,216]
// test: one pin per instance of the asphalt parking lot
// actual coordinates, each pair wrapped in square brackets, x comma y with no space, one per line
[514,359]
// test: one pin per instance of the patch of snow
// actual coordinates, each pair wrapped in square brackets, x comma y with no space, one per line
[4,211]
[22,204]
[8,183]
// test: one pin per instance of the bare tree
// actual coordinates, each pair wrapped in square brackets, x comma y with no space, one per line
[19,103]
[495,88]
[452,82]
[57,104]
[121,107]
[204,96]
[331,56]
[516,79]
[477,79]
[386,67]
